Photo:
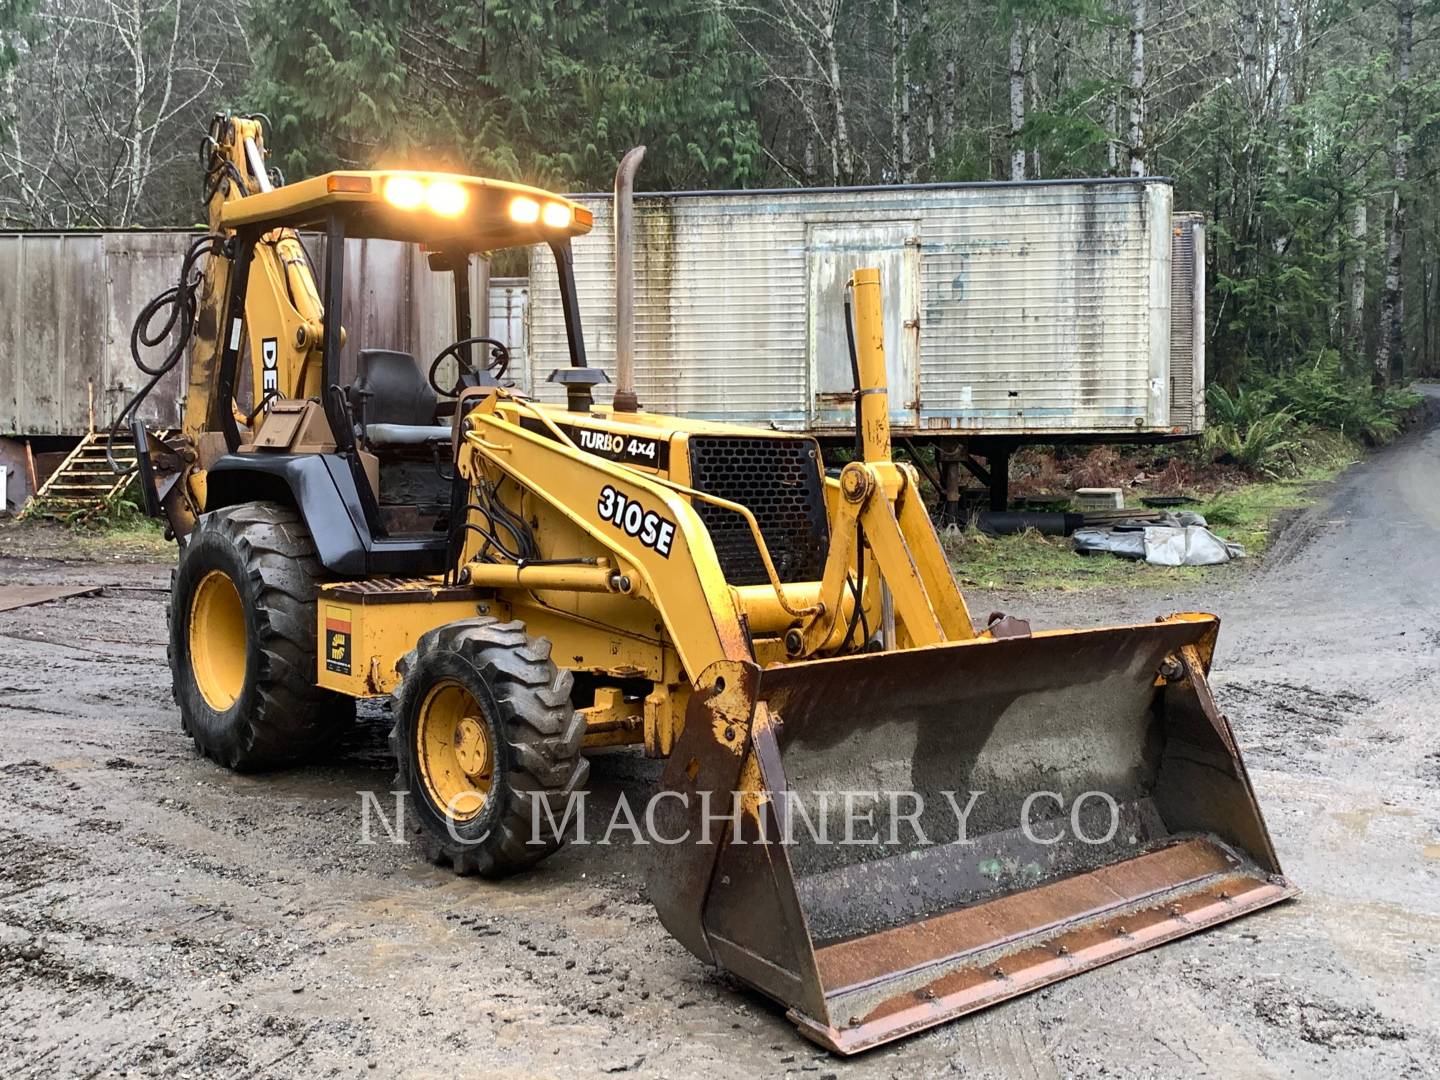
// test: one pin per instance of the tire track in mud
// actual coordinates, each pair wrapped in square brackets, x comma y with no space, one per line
[1285,724]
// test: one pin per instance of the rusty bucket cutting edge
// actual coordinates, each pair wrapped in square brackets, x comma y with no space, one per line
[1072,731]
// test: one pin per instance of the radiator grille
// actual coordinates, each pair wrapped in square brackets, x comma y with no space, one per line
[777,480]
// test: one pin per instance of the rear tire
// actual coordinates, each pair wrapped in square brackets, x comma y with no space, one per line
[486,738]
[243,640]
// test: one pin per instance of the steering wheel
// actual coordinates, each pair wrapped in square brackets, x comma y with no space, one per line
[497,365]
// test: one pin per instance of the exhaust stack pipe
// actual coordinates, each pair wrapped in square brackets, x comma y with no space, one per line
[624,215]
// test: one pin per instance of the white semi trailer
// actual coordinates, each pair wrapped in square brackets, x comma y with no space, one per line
[1034,312]
[1015,312]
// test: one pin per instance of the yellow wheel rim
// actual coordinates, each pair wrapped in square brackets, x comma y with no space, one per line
[457,762]
[218,643]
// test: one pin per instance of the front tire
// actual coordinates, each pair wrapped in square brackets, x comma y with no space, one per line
[242,640]
[486,739]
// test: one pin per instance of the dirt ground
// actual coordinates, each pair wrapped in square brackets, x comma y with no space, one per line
[161,917]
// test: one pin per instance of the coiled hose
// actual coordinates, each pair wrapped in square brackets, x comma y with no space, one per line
[177,306]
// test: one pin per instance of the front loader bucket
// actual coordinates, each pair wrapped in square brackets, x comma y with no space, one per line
[926,832]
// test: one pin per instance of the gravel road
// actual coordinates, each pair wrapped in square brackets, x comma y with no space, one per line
[161,917]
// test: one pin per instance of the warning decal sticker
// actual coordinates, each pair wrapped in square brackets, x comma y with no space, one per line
[337,639]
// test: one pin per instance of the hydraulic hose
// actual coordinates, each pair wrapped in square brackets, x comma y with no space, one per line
[177,307]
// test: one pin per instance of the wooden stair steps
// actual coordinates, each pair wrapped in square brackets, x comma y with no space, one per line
[85,480]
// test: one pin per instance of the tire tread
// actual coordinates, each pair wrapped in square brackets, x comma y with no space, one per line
[293,719]
[541,727]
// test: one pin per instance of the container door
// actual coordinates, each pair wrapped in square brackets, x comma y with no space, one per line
[833,252]
[508,322]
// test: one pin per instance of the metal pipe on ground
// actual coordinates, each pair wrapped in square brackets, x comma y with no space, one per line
[1009,522]
[624,224]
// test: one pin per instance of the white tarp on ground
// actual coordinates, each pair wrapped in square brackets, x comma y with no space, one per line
[1187,545]
[1182,541]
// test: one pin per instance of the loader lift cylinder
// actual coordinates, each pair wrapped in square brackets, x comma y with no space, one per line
[874,411]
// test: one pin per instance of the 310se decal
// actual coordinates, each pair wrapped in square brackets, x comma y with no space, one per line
[650,528]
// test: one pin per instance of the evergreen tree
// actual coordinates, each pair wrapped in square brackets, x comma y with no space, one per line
[551,92]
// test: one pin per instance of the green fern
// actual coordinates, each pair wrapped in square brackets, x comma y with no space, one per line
[1241,432]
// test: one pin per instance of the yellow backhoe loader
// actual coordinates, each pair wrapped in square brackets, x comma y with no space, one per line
[873,810]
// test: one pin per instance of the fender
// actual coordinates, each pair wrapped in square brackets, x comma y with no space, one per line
[320,486]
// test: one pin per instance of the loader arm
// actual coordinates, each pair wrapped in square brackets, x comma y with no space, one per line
[880,506]
[676,571]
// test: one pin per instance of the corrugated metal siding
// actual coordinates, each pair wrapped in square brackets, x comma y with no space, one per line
[44,284]
[1044,308]
[720,319]
[68,301]
[393,300]
[138,266]
[1037,311]
[1187,321]
[1182,336]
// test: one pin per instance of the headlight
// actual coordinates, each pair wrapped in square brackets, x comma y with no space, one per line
[557,215]
[404,192]
[524,210]
[445,197]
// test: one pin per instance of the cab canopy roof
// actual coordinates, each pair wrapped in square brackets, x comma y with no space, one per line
[445,211]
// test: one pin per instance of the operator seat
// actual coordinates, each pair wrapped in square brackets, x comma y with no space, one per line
[394,402]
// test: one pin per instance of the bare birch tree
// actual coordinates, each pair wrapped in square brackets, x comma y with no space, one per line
[900,92]
[1137,88]
[1017,100]
[1359,241]
[106,98]
[797,43]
